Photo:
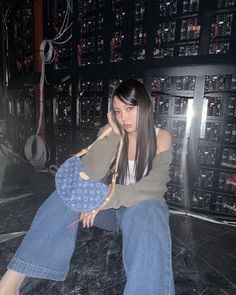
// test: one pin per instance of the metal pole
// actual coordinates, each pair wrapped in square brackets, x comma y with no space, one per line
[4,80]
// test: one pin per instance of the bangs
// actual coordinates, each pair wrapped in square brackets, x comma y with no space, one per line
[127,98]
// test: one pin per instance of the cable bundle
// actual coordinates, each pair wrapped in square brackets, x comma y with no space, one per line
[36,150]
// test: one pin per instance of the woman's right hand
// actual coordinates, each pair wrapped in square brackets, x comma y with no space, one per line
[112,123]
[87,218]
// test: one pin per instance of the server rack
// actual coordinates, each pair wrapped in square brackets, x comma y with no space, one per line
[197,106]
[110,41]
[183,51]
[17,72]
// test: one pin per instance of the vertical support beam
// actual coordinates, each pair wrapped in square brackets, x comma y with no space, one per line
[38,17]
[193,161]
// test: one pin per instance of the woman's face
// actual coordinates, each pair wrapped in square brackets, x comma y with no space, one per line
[126,115]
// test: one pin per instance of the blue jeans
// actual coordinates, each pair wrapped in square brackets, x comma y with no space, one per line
[47,248]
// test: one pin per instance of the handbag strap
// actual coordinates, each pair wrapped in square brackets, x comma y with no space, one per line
[85,150]
[115,174]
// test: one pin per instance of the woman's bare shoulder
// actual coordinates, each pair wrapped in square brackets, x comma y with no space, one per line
[164,141]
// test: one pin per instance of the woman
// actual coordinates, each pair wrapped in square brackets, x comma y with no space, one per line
[137,207]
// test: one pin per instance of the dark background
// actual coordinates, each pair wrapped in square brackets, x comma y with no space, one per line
[184,52]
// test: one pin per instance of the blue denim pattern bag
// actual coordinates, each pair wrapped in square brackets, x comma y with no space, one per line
[78,191]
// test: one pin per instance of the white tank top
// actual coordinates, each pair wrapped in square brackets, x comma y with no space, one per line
[131,175]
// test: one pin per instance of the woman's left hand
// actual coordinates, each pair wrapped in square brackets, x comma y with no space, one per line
[87,218]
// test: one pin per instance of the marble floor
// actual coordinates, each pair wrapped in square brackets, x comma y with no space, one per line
[204,253]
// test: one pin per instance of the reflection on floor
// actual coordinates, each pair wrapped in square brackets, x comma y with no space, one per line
[204,254]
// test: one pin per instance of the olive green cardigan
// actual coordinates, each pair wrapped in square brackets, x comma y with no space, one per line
[151,187]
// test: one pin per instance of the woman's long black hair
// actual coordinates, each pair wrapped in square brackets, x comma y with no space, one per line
[133,92]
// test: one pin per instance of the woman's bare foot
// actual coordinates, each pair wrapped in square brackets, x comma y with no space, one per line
[11,282]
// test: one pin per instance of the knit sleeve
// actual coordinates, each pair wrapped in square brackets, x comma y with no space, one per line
[98,159]
[151,187]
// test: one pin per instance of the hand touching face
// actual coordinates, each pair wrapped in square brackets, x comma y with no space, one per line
[112,123]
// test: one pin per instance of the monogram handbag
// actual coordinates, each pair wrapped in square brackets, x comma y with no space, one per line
[78,191]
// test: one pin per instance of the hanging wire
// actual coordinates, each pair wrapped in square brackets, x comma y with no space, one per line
[47,54]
